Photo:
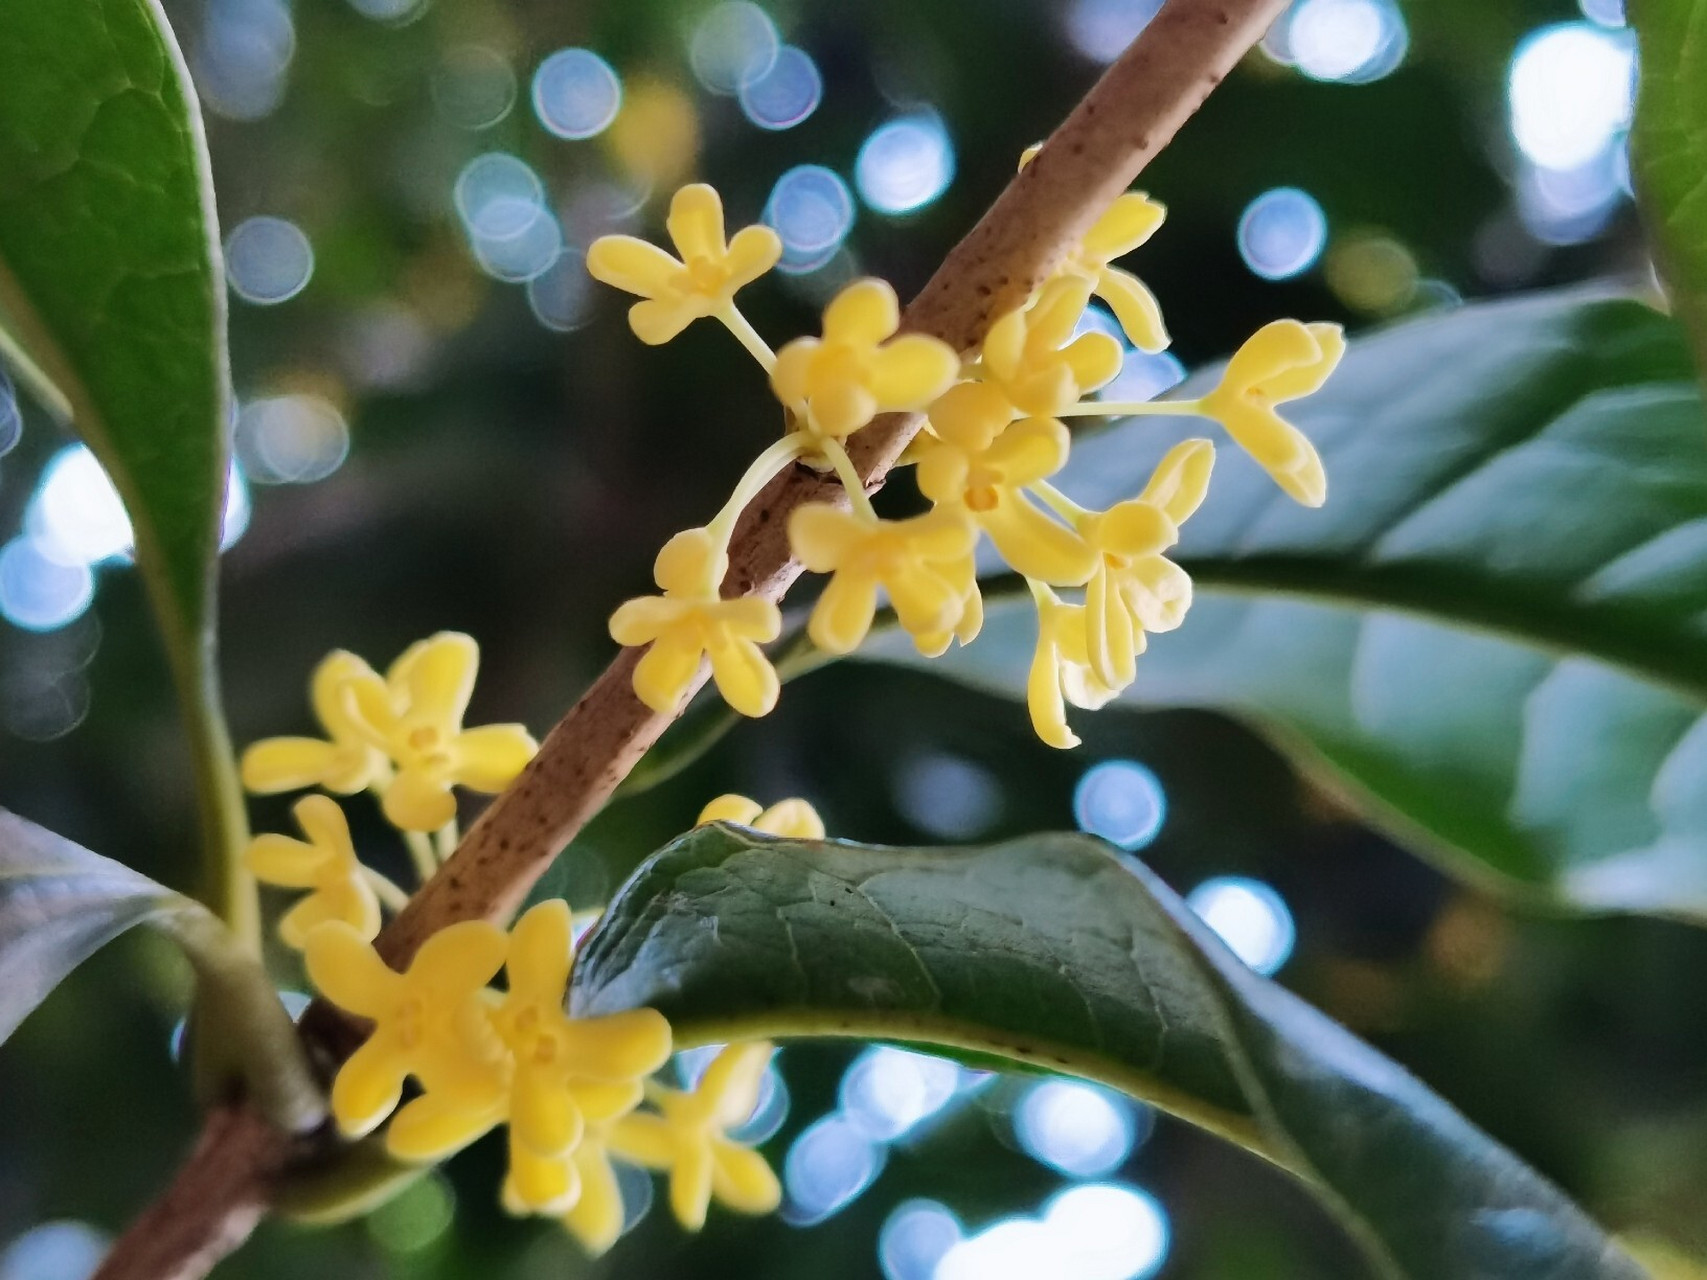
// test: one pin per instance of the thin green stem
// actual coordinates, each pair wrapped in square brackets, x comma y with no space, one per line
[388,890]
[748,336]
[1130,408]
[421,854]
[446,840]
[765,468]
[1060,503]
[848,474]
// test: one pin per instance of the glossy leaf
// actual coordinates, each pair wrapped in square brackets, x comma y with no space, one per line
[1491,632]
[1669,150]
[111,282]
[60,903]
[1052,951]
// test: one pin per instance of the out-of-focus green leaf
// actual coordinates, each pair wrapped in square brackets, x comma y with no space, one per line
[111,283]
[1492,632]
[1669,150]
[1051,951]
[60,903]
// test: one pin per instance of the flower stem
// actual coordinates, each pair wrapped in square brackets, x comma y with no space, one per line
[1129,408]
[1059,502]
[389,893]
[765,468]
[748,336]
[421,854]
[445,841]
[848,474]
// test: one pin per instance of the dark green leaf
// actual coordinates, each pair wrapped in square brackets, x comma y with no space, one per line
[1669,150]
[111,282]
[59,903]
[1052,951]
[1492,631]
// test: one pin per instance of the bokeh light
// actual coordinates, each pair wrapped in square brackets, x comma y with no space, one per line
[576,94]
[562,296]
[950,797]
[1077,1128]
[812,211]
[655,136]
[242,56]
[290,439]
[416,1219]
[38,592]
[1282,233]
[1250,917]
[1608,13]
[1348,41]
[905,164]
[786,94]
[39,704]
[1096,1231]
[889,1091]
[826,1168]
[11,416]
[1571,92]
[76,516]
[474,87]
[393,11]
[62,1250]
[1373,273]
[268,260]
[501,200]
[1144,376]
[733,45]
[1122,801]
[1101,29]
[915,1237]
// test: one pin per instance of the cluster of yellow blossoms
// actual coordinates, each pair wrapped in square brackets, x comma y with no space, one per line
[992,437]
[575,1093]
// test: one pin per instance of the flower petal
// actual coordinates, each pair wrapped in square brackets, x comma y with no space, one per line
[1035,545]
[840,408]
[843,614]
[619,1047]
[733,1080]
[643,619]
[742,1180]
[1131,220]
[326,690]
[632,265]
[1110,640]
[346,970]
[429,1128]
[289,764]
[1135,528]
[751,618]
[1135,307]
[1280,345]
[489,758]
[822,536]
[440,680]
[418,800]
[282,861]
[645,1140]
[791,376]
[368,1086]
[459,958]
[730,808]
[1032,449]
[690,1184]
[1181,479]
[792,819]
[1094,358]
[543,1117]
[1303,379]
[602,1101]
[753,251]
[540,1183]
[912,371]
[657,320]
[863,314]
[945,534]
[665,671]
[596,1220]
[691,563]
[695,222]
[925,602]
[970,415]
[744,676]
[540,949]
[1043,693]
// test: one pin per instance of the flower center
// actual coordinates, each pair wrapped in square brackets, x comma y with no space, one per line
[411,1022]
[705,275]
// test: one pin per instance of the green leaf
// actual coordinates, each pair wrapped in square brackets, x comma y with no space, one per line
[1669,150]
[1492,631]
[111,283]
[60,903]
[1052,951]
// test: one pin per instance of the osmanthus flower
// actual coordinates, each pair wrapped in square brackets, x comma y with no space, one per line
[1284,360]
[701,282]
[344,761]
[568,1071]
[1128,223]
[913,560]
[1033,356]
[415,717]
[980,464]
[689,623]
[1135,587]
[1061,670]
[859,368]
[433,1022]
[325,863]
[594,1214]
[689,1138]
[793,818]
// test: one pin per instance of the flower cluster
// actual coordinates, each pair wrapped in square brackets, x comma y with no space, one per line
[400,736]
[992,438]
[572,1091]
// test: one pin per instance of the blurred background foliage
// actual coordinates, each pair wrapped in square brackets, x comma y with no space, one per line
[444,425]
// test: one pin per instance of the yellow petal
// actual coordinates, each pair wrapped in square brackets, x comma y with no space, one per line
[279,860]
[1136,528]
[1278,447]
[690,1185]
[602,1101]
[1305,482]
[1043,695]
[460,957]
[695,222]
[842,616]
[840,408]
[543,1117]
[970,415]
[289,764]
[730,808]
[691,563]
[1305,378]
[733,1080]
[1032,449]
[540,950]
[822,536]
[665,671]
[793,820]
[490,757]
[742,1181]
[418,799]
[925,602]
[326,687]
[1158,592]
[1094,358]
[645,1140]
[632,265]
[753,251]
[597,1218]
[349,973]
[351,902]
[1131,220]
[1181,480]
[1004,346]
[619,1047]
[1044,390]
[945,534]
[1035,545]
[912,371]
[368,1086]
[1135,307]
[1279,346]
[744,676]
[751,618]
[540,1184]
[643,619]
[791,376]
[657,320]
[863,314]
[1110,637]
[429,1128]
[1052,318]
[440,680]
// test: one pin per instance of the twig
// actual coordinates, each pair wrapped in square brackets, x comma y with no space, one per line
[1128,116]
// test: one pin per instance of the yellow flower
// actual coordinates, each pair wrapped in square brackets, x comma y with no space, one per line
[567,1071]
[913,560]
[689,1138]
[963,574]
[594,1214]
[702,282]
[326,863]
[346,764]
[432,1022]
[1060,670]
[1032,355]
[979,464]
[1135,587]
[1127,223]
[838,383]
[689,623]
[794,819]
[1283,360]
[415,717]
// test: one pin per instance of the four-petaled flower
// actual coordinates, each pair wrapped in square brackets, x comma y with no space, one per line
[1033,357]
[345,762]
[979,463]
[433,1022]
[689,622]
[838,383]
[326,863]
[676,292]
[415,717]
[689,1137]
[1283,360]
[793,819]
[914,560]
[1060,670]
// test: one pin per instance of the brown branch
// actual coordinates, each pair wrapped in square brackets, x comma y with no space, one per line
[1128,116]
